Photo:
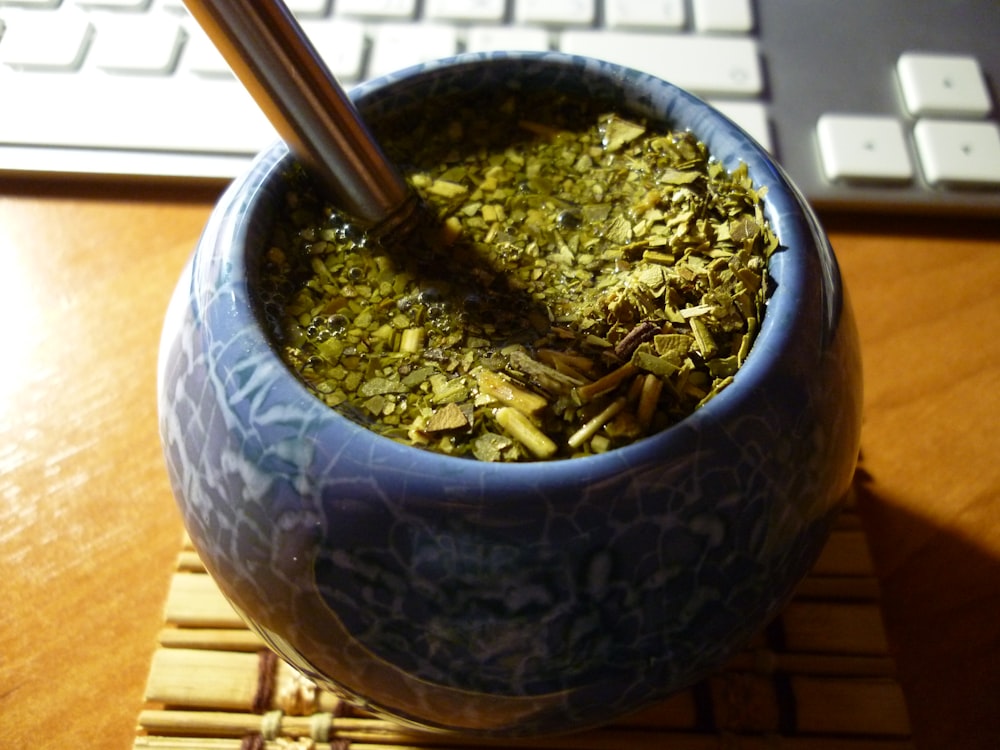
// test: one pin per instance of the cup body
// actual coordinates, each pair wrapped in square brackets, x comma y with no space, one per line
[509,599]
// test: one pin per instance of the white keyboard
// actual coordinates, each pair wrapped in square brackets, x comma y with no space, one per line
[869,104]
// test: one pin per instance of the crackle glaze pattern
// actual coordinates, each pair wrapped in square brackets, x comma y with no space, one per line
[509,599]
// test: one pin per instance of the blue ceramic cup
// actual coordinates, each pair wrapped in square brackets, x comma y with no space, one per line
[509,599]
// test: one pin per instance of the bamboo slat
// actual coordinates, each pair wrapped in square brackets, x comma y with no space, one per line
[845,554]
[874,706]
[833,627]
[194,600]
[667,742]
[220,639]
[383,733]
[818,678]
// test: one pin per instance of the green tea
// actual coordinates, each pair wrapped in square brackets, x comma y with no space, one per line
[584,281]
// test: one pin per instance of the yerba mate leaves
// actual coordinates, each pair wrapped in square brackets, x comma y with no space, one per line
[581,288]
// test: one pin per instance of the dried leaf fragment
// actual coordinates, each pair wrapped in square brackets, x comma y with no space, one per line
[490,446]
[522,429]
[449,417]
[591,426]
[447,189]
[619,231]
[660,366]
[617,131]
[510,394]
[380,387]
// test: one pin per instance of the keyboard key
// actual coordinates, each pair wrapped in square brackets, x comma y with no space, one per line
[201,57]
[730,16]
[308,8]
[569,12]
[150,165]
[399,45]
[522,38]
[705,65]
[31,3]
[863,147]
[959,153]
[639,14]
[341,44]
[137,44]
[751,116]
[942,85]
[45,41]
[115,5]
[196,115]
[376,8]
[465,10]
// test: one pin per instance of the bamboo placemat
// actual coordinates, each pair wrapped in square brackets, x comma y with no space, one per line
[818,678]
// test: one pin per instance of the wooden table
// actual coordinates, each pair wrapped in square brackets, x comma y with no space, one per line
[89,532]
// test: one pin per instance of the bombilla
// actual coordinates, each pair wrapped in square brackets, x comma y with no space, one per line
[278,65]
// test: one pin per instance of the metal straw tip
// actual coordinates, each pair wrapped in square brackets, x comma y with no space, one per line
[276,62]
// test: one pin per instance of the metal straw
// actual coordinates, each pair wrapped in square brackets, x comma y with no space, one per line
[278,65]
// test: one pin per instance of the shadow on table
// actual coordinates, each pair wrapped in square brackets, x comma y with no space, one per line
[940,597]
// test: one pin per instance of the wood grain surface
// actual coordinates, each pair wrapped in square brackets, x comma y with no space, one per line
[89,534]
